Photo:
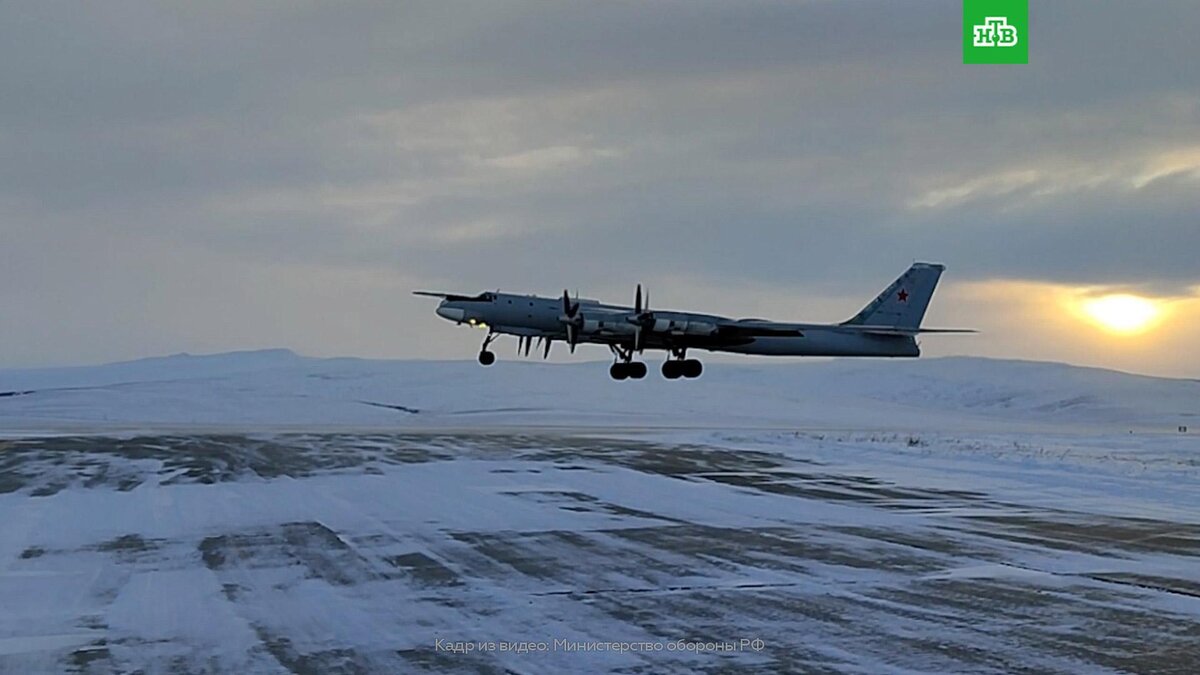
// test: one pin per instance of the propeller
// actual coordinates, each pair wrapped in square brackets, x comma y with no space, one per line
[572,318]
[642,317]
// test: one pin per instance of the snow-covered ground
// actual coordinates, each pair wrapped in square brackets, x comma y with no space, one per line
[260,512]
[279,388]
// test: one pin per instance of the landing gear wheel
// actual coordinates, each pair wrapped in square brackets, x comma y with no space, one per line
[637,370]
[618,371]
[485,357]
[671,370]
[691,368]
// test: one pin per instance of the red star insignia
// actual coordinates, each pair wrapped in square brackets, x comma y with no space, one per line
[902,296]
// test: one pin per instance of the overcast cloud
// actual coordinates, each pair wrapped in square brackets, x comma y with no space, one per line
[209,176]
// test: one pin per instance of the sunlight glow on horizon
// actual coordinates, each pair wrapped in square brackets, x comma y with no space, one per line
[1121,313]
[1050,321]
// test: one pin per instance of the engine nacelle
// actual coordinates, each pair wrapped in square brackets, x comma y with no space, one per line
[674,327]
[608,327]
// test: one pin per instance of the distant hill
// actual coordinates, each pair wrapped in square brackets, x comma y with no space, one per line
[280,388]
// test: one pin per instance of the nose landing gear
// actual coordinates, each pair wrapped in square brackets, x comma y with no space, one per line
[487,358]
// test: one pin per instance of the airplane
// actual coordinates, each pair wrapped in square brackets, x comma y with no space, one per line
[887,327]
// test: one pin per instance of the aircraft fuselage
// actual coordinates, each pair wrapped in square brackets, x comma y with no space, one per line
[886,327]
[541,317]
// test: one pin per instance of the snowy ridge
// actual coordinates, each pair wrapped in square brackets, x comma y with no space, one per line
[278,387]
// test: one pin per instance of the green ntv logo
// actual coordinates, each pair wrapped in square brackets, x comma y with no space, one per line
[995,31]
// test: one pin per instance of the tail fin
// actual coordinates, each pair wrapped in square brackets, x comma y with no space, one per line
[902,305]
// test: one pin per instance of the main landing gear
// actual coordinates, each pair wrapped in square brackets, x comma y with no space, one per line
[625,367]
[634,370]
[487,358]
[678,366]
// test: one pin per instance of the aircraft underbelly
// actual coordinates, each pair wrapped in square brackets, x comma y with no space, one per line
[829,343]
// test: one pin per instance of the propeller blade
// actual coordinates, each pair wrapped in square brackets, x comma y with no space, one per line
[637,339]
[637,300]
[546,353]
[528,344]
[571,336]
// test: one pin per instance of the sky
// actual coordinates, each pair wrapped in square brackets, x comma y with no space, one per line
[212,176]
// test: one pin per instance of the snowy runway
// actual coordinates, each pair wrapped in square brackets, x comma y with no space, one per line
[471,551]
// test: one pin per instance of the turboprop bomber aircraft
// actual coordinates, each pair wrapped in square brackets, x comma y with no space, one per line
[888,326]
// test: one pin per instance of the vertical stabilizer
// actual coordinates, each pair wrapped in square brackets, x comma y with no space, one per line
[903,304]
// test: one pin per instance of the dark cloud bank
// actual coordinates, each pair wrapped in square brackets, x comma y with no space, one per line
[220,175]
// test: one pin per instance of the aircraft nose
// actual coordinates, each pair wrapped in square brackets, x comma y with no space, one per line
[451,313]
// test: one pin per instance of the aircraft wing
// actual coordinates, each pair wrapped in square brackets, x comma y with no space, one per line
[894,330]
[749,329]
[447,296]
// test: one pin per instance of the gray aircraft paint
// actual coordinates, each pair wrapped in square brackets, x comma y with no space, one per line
[902,304]
[886,327]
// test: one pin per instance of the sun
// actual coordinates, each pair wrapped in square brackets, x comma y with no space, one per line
[1122,313]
